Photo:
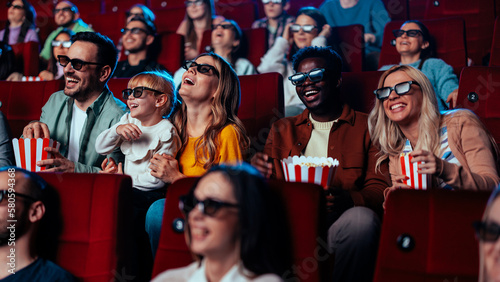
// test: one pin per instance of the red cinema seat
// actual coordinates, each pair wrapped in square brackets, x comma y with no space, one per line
[245,13]
[479,18]
[26,55]
[120,6]
[45,25]
[253,45]
[172,51]
[14,99]
[349,42]
[428,236]
[117,85]
[447,33]
[398,9]
[261,105]
[157,5]
[89,7]
[95,242]
[295,6]
[495,45]
[108,24]
[305,208]
[357,89]
[479,91]
[169,19]
[416,9]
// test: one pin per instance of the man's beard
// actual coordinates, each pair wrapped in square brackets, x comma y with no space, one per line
[21,226]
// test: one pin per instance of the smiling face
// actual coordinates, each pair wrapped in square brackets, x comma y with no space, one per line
[403,110]
[224,38]
[14,15]
[199,87]
[136,42]
[64,18]
[147,107]
[491,250]
[197,12]
[60,50]
[303,39]
[215,236]
[406,45]
[80,84]
[319,96]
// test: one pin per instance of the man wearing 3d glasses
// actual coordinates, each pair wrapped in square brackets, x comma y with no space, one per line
[330,128]
[76,115]
[65,16]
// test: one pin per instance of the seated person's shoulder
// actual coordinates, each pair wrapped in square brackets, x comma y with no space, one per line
[41,270]
[178,274]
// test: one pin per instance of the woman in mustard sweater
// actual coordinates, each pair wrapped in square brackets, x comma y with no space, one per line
[210,131]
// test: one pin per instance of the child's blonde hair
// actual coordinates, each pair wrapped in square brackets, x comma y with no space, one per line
[161,81]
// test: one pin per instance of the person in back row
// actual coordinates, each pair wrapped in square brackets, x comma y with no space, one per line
[276,19]
[330,128]
[76,115]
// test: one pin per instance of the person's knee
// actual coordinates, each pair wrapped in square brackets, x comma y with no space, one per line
[154,216]
[357,224]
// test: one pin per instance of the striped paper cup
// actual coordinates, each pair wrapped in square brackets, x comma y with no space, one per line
[415,180]
[309,169]
[29,151]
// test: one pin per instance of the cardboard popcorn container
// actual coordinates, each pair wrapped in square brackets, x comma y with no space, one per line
[415,180]
[29,151]
[309,169]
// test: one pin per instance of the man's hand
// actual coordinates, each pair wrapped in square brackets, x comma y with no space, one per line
[15,76]
[36,130]
[59,163]
[260,162]
[46,75]
[370,38]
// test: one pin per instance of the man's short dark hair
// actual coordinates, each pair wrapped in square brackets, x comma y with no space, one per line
[333,60]
[106,50]
[150,26]
[35,184]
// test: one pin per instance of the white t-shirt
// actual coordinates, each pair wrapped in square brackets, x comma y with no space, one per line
[77,121]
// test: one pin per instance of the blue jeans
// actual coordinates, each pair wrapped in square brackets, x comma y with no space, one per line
[154,219]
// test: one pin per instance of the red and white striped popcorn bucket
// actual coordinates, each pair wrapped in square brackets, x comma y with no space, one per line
[29,151]
[309,169]
[415,180]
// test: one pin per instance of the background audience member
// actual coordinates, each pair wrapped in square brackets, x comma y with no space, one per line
[330,128]
[210,131]
[200,16]
[7,61]
[457,151]
[488,232]
[138,38]
[233,228]
[275,20]
[30,208]
[20,26]
[226,42]
[369,13]
[65,16]
[310,29]
[141,11]
[6,151]
[417,49]
[76,115]
[60,47]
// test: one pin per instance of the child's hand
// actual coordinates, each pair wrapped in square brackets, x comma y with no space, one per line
[109,166]
[129,131]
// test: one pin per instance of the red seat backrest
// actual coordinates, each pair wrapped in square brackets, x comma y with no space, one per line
[439,225]
[157,5]
[349,42]
[14,99]
[447,33]
[169,19]
[117,85]
[306,212]
[261,105]
[95,208]
[120,6]
[357,89]
[398,9]
[495,45]
[479,17]
[26,55]
[245,13]
[479,91]
[172,51]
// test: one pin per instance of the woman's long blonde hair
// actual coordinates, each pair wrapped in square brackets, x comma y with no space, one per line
[387,135]
[224,110]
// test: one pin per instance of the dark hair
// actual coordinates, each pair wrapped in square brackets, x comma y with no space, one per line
[146,12]
[316,15]
[333,60]
[190,35]
[29,23]
[428,52]
[106,50]
[35,184]
[150,26]
[7,60]
[264,232]
[52,66]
